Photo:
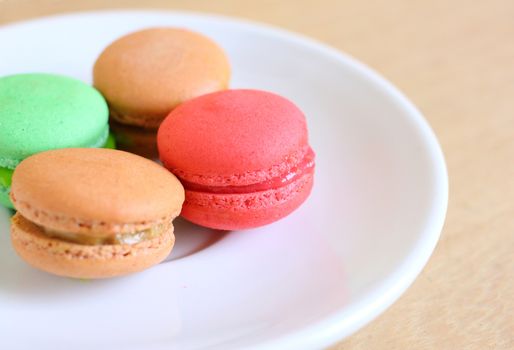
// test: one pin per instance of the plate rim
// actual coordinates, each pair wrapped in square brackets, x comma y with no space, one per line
[342,322]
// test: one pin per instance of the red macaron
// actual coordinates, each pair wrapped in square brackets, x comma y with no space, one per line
[243,157]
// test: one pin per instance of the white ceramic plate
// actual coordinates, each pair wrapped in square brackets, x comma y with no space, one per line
[305,282]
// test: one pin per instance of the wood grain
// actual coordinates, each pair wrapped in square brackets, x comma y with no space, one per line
[455,60]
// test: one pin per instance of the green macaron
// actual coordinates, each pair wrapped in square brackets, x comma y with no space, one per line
[40,112]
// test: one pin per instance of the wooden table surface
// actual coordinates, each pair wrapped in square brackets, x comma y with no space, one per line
[455,60]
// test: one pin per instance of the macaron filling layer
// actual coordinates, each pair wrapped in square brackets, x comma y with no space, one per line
[149,122]
[110,143]
[305,166]
[5,177]
[120,238]
[5,186]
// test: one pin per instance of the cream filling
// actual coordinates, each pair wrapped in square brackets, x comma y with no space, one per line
[118,238]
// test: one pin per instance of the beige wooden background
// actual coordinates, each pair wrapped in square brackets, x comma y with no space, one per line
[455,60]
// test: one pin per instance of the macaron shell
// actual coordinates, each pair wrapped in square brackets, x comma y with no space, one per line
[5,199]
[233,137]
[243,211]
[79,261]
[39,112]
[144,75]
[96,191]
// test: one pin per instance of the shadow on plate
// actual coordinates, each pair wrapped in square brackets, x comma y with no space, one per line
[21,280]
[191,239]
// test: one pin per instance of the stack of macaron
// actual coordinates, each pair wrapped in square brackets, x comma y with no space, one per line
[231,158]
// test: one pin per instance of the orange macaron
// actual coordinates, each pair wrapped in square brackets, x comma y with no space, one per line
[146,74]
[93,213]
